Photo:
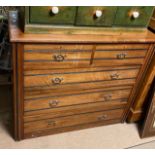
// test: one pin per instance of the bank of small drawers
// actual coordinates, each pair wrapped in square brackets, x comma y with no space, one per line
[102,16]
[68,85]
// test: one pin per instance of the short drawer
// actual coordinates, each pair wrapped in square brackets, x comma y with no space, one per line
[133,16]
[45,15]
[95,16]
[124,54]
[67,100]
[56,56]
[79,77]
[72,120]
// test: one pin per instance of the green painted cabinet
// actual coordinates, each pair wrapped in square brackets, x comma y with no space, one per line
[133,16]
[68,19]
[95,16]
[60,15]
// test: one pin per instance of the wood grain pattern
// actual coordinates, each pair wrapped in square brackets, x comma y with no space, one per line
[105,54]
[152,22]
[58,101]
[61,47]
[140,98]
[72,120]
[140,81]
[79,70]
[148,127]
[79,82]
[83,36]
[69,128]
[47,80]
[45,56]
[72,110]
[81,52]
[122,46]
[116,62]
[52,64]
[15,102]
[39,92]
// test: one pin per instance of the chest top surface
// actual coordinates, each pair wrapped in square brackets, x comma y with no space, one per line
[106,35]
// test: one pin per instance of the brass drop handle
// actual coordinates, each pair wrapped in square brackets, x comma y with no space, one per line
[53,103]
[114,76]
[57,80]
[59,58]
[51,123]
[107,97]
[103,117]
[121,56]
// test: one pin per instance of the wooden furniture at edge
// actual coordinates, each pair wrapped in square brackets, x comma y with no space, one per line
[138,110]
[139,107]
[65,82]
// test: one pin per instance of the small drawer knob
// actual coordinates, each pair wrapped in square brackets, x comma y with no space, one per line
[98,13]
[55,10]
[114,76]
[59,58]
[103,117]
[121,56]
[53,103]
[107,97]
[135,14]
[57,80]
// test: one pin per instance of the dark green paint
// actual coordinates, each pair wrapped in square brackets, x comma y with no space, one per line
[42,15]
[73,19]
[85,16]
[123,19]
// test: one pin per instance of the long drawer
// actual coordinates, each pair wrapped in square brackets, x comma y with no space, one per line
[72,120]
[39,92]
[72,77]
[73,110]
[67,100]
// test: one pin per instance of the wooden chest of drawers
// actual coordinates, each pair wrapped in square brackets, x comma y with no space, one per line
[66,82]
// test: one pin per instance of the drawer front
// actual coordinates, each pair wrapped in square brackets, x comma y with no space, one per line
[127,54]
[89,97]
[48,56]
[81,77]
[72,120]
[133,16]
[54,90]
[45,15]
[72,110]
[56,56]
[95,16]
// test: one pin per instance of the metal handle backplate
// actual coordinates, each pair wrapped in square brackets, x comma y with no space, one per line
[51,123]
[59,58]
[53,103]
[57,80]
[107,97]
[121,56]
[114,76]
[103,117]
